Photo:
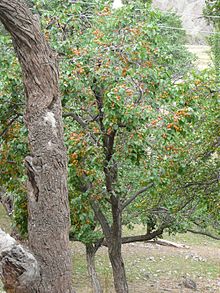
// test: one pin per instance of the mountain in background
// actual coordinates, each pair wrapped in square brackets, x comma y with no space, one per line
[191,14]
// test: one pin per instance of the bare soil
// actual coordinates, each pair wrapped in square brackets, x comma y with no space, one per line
[153,268]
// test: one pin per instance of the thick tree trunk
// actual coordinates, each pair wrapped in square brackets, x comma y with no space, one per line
[48,225]
[90,257]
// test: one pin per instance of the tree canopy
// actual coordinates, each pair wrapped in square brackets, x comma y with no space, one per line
[141,124]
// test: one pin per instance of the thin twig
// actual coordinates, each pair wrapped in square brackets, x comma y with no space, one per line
[4,132]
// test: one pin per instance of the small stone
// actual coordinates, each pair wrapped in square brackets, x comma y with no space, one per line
[146,276]
[189,283]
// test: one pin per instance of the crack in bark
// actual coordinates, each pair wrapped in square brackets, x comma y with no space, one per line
[52,103]
[31,176]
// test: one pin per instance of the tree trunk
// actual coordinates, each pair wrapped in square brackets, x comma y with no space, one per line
[90,257]
[119,275]
[114,249]
[48,223]
[113,241]
[120,281]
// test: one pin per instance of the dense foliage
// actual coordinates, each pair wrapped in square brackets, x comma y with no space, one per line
[121,64]
[161,130]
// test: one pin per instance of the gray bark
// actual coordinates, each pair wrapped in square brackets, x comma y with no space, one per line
[114,249]
[120,281]
[90,257]
[18,267]
[48,223]
[113,240]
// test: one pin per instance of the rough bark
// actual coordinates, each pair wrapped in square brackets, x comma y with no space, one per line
[113,241]
[120,281]
[48,223]
[90,257]
[18,267]
[114,249]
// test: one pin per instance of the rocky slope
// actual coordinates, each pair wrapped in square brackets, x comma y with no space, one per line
[190,12]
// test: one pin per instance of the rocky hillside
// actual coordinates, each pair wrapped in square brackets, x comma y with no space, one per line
[191,15]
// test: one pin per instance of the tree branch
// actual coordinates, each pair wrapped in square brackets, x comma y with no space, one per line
[130,239]
[9,125]
[108,139]
[133,197]
[141,238]
[101,218]
[78,119]
[204,233]
[110,166]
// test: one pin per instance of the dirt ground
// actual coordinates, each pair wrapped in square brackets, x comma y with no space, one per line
[154,268]
[180,263]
